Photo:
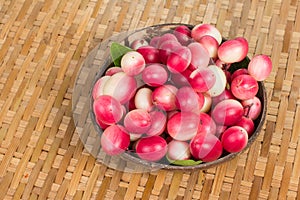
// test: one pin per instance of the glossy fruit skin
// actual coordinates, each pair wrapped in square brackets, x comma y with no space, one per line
[98,86]
[260,67]
[187,100]
[252,107]
[151,148]
[133,63]
[206,124]
[202,79]
[155,75]
[164,97]
[206,147]
[114,140]
[200,56]
[137,121]
[158,123]
[178,150]
[200,30]
[120,86]
[107,109]
[179,60]
[248,124]
[234,139]
[210,44]
[234,50]
[183,34]
[227,112]
[166,48]
[150,54]
[143,99]
[183,126]
[244,87]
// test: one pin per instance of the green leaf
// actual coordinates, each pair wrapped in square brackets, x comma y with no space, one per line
[117,51]
[186,162]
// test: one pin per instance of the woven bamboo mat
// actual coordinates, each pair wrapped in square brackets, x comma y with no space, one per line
[42,46]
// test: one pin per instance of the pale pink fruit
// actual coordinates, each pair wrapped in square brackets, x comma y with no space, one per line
[206,29]
[260,67]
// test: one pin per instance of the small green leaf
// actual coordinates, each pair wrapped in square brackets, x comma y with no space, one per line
[117,51]
[186,162]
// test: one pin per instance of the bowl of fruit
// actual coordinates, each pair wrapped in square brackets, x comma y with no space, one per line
[178,97]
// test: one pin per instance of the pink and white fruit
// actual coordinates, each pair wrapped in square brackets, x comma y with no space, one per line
[132,63]
[234,50]
[207,103]
[154,41]
[210,44]
[137,121]
[138,43]
[202,79]
[244,87]
[120,86]
[234,139]
[226,94]
[206,147]
[107,109]
[260,67]
[151,148]
[206,124]
[220,83]
[183,34]
[155,75]
[206,29]
[166,48]
[114,140]
[179,59]
[200,56]
[252,107]
[143,99]
[183,126]
[227,112]
[98,87]
[150,54]
[167,37]
[178,150]
[158,123]
[164,97]
[188,100]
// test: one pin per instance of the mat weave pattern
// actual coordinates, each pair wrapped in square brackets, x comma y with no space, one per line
[42,46]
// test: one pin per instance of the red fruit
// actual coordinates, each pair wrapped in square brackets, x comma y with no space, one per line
[151,148]
[155,75]
[183,126]
[137,121]
[183,34]
[202,79]
[234,139]
[114,140]
[206,124]
[179,60]
[247,124]
[164,97]
[150,54]
[206,147]
[227,112]
[107,109]
[244,87]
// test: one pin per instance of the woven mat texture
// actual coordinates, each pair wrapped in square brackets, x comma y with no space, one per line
[42,46]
